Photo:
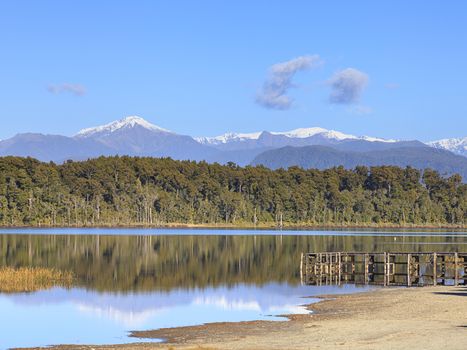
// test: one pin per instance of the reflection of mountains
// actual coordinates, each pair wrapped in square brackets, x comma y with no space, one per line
[137,263]
[133,309]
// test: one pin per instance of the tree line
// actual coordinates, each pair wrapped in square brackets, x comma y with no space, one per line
[158,191]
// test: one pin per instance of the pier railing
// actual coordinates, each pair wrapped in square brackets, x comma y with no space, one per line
[386,269]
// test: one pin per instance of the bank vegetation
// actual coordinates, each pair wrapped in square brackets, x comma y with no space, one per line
[129,191]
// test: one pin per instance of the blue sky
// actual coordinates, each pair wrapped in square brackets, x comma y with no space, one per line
[198,67]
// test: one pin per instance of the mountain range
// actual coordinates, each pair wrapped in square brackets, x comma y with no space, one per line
[456,145]
[323,157]
[307,147]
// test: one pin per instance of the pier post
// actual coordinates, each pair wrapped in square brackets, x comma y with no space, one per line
[435,272]
[386,279]
[367,268]
[301,269]
[339,266]
[409,270]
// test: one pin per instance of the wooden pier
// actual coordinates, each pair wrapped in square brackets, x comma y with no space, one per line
[386,269]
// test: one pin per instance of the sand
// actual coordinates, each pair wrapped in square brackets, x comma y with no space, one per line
[393,318]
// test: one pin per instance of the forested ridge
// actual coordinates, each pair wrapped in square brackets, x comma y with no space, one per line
[150,191]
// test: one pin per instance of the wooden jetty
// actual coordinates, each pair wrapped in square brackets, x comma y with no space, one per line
[386,268]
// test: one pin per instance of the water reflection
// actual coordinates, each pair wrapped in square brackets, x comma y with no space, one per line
[143,282]
[147,263]
[81,316]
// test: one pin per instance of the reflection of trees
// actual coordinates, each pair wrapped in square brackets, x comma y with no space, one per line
[128,263]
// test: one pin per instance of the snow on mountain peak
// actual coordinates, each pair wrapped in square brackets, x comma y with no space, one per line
[456,145]
[301,133]
[127,122]
[308,132]
[296,133]
[228,137]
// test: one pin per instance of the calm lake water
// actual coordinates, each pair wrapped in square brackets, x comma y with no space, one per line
[129,279]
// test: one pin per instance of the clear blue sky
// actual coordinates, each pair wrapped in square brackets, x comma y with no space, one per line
[195,67]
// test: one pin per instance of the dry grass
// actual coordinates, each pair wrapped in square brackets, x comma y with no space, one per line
[30,279]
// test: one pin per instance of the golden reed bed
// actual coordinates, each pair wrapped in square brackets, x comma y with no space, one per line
[30,279]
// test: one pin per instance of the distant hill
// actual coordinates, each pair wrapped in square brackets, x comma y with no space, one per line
[134,136]
[131,136]
[52,147]
[323,157]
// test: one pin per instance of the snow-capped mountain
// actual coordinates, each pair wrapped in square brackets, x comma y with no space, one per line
[227,137]
[252,144]
[301,133]
[131,136]
[455,145]
[125,123]
[134,136]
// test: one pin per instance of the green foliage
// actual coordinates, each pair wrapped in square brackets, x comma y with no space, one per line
[149,191]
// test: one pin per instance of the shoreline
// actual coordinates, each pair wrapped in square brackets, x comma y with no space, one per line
[285,227]
[389,318]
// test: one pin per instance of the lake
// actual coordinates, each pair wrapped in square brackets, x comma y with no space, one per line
[138,279]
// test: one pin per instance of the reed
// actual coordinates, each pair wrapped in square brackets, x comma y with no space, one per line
[30,279]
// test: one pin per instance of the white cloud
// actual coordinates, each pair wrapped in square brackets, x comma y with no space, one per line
[74,89]
[347,86]
[274,91]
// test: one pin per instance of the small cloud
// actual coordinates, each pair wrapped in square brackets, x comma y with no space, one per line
[392,86]
[360,109]
[274,91]
[74,89]
[347,86]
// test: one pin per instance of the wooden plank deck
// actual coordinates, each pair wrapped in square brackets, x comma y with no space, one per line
[384,268]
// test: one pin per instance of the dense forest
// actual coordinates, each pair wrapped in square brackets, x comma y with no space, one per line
[151,192]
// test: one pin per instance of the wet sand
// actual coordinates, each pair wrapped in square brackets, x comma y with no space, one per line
[415,318]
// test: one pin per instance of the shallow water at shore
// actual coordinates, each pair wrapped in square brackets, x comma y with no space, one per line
[80,316]
[122,231]
[129,279]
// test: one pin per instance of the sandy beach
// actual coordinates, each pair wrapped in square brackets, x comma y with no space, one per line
[393,318]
